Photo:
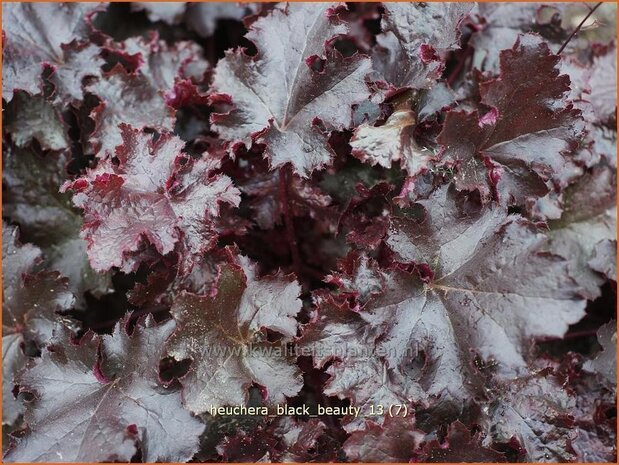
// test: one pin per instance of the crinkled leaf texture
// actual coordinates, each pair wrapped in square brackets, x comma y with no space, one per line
[34,118]
[284,440]
[588,220]
[605,363]
[486,277]
[29,311]
[35,35]
[278,98]
[397,441]
[146,98]
[460,445]
[164,65]
[30,300]
[155,193]
[32,199]
[603,84]
[299,439]
[416,37]
[524,138]
[392,142]
[225,338]
[91,409]
[125,99]
[13,361]
[533,410]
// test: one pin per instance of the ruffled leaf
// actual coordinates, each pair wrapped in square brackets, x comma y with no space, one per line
[104,409]
[225,338]
[290,120]
[155,192]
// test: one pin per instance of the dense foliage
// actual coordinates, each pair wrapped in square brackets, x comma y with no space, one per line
[346,206]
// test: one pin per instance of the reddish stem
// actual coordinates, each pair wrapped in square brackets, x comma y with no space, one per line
[285,205]
[578,28]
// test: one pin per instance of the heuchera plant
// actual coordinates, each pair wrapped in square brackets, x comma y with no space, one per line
[367,205]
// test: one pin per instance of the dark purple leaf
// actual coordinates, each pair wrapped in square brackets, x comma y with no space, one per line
[396,441]
[533,412]
[34,118]
[523,138]
[588,219]
[605,363]
[460,445]
[125,99]
[417,36]
[225,338]
[33,200]
[155,192]
[286,121]
[91,409]
[35,35]
[29,311]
